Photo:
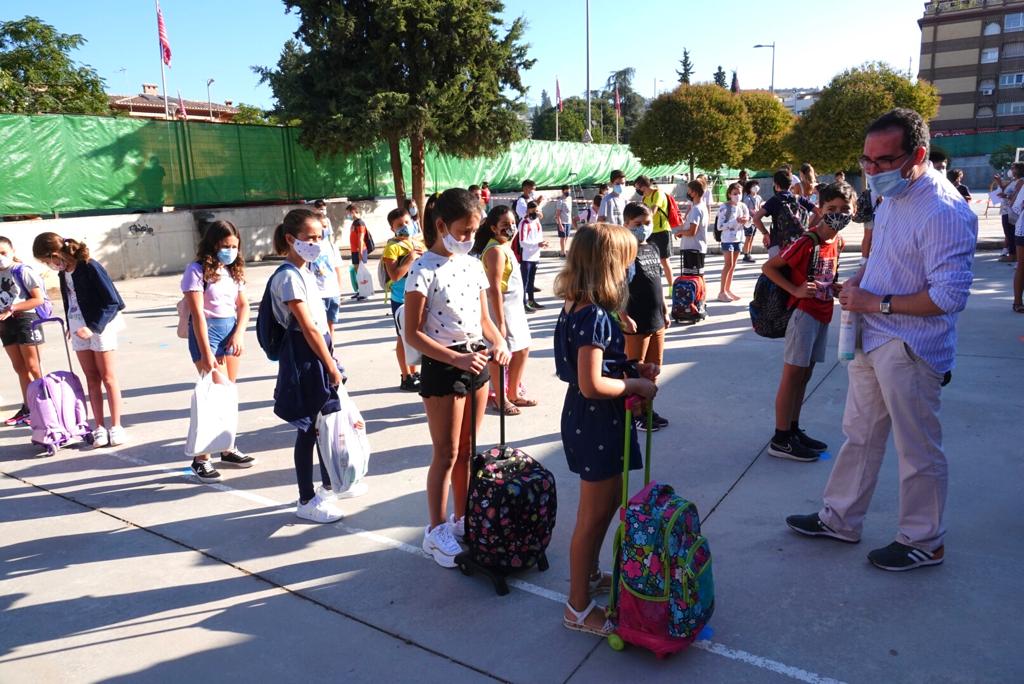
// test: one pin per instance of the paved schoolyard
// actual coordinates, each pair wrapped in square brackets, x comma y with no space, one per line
[116,566]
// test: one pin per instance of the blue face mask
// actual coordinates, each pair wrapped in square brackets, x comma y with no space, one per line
[403,231]
[888,184]
[227,256]
[619,188]
[642,232]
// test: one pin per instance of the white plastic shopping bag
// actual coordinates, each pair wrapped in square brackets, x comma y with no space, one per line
[343,446]
[412,354]
[365,280]
[214,419]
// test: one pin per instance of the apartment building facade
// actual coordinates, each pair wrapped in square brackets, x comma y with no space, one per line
[973,51]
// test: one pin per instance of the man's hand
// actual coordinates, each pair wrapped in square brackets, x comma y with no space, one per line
[808,290]
[859,300]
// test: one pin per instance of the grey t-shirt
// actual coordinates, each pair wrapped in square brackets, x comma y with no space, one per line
[11,291]
[292,284]
[698,214]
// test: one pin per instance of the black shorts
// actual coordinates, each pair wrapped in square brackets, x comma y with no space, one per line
[438,379]
[693,261]
[663,242]
[18,330]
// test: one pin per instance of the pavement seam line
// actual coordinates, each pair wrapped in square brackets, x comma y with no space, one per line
[297,594]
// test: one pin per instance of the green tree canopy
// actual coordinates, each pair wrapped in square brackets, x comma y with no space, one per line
[249,114]
[572,121]
[831,134]
[37,73]
[1002,157]
[421,70]
[720,78]
[772,123]
[631,102]
[702,125]
[685,70]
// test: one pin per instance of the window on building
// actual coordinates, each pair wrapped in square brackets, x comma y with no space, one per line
[1010,108]
[1011,80]
[1013,50]
[990,55]
[992,29]
[1013,22]
[985,112]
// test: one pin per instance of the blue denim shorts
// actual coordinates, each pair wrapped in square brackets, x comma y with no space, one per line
[332,304]
[219,330]
[730,246]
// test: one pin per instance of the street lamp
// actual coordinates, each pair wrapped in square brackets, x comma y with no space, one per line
[772,46]
[209,100]
[590,120]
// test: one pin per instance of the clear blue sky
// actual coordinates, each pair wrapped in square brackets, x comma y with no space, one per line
[221,39]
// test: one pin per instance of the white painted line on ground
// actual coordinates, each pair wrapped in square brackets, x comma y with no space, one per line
[716,648]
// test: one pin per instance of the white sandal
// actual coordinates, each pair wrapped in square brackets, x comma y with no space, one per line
[578,623]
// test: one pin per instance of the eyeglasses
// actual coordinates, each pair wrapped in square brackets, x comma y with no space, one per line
[874,165]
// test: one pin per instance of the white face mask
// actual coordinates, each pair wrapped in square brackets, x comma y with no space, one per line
[307,251]
[6,261]
[454,246]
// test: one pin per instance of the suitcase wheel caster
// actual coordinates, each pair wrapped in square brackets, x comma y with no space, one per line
[616,642]
[542,563]
[500,586]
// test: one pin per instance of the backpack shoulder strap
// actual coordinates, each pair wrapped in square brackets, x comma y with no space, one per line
[812,264]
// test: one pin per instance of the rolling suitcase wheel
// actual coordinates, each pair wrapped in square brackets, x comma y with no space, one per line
[542,562]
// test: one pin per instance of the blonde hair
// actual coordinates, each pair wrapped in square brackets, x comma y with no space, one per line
[595,268]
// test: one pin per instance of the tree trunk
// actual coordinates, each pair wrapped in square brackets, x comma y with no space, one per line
[692,177]
[396,168]
[419,181]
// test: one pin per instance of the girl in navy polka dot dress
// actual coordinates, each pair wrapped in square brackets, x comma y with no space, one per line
[590,357]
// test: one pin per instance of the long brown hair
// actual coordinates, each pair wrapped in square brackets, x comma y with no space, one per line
[46,245]
[595,268]
[206,254]
[292,224]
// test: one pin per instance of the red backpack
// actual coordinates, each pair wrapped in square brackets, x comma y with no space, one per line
[675,219]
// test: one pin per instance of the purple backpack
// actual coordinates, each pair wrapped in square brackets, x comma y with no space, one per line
[44,310]
[56,404]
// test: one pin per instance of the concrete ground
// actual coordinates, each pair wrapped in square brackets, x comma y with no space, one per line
[116,566]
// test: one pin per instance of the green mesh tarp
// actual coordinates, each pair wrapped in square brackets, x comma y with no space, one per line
[978,143]
[62,164]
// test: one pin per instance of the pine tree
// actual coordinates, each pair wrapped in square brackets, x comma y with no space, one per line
[720,78]
[687,67]
[545,100]
[735,88]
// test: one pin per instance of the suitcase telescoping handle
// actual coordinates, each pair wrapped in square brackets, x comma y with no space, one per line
[64,335]
[631,402]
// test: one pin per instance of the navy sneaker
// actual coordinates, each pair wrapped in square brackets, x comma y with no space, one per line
[659,421]
[809,442]
[898,557]
[811,526]
[791,448]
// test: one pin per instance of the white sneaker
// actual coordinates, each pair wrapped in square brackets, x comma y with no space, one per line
[441,545]
[318,510]
[100,438]
[357,489]
[117,436]
[325,494]
[458,526]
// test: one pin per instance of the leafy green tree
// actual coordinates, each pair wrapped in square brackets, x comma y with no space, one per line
[830,134]
[685,70]
[720,78]
[772,123]
[702,125]
[447,73]
[1001,158]
[572,121]
[734,88]
[545,99]
[248,114]
[631,102]
[37,73]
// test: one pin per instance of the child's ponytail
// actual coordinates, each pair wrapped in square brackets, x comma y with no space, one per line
[46,245]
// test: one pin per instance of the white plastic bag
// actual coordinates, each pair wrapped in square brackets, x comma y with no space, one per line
[365,280]
[214,419]
[412,354]
[343,446]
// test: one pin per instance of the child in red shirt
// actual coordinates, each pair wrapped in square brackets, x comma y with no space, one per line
[808,270]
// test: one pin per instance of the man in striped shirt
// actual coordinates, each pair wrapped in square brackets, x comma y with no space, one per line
[908,295]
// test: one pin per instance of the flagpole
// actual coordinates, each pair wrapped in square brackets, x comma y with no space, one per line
[163,76]
[616,127]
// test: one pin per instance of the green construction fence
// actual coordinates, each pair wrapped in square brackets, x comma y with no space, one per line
[62,164]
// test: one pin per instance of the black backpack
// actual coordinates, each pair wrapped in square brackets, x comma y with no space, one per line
[793,219]
[769,309]
[270,333]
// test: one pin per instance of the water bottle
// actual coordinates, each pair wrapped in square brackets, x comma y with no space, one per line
[848,322]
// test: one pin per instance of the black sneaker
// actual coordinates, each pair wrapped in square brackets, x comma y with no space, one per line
[898,557]
[641,425]
[809,442]
[409,384]
[812,526]
[536,305]
[658,421]
[237,458]
[747,259]
[530,307]
[792,449]
[19,418]
[205,471]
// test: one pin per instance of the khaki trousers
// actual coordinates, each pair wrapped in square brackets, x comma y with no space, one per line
[648,348]
[891,388]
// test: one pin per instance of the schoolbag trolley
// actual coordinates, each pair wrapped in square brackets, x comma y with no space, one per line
[510,509]
[662,592]
[58,413]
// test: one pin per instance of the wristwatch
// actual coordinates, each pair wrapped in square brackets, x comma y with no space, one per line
[886,305]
